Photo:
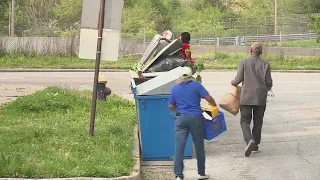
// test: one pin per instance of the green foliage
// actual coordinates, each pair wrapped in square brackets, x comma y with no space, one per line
[315,26]
[299,6]
[56,17]
[68,12]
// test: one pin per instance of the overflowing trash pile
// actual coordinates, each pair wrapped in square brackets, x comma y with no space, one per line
[163,54]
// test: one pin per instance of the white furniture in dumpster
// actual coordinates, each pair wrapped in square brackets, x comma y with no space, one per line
[162,83]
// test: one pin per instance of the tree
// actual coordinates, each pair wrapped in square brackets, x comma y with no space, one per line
[4,22]
[68,13]
[299,6]
[35,18]
[315,26]
[4,5]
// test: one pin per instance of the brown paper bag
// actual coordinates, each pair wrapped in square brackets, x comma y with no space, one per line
[231,100]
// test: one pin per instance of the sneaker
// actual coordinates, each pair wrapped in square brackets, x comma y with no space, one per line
[255,149]
[204,177]
[249,148]
[179,178]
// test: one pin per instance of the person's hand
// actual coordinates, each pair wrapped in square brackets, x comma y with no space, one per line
[233,83]
[270,93]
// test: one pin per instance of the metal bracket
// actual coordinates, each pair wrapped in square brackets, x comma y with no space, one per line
[143,105]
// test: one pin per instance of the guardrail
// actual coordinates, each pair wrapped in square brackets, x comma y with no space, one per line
[243,40]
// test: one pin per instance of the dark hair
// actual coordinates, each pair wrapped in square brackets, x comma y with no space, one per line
[185,38]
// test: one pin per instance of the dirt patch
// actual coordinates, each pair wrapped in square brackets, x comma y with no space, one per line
[9,92]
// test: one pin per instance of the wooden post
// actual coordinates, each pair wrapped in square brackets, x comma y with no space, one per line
[97,68]
[275,17]
[12,18]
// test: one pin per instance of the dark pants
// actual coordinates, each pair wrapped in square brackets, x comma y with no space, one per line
[184,125]
[247,111]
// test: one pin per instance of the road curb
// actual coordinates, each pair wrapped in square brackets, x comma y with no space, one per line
[135,175]
[122,70]
[278,71]
[62,70]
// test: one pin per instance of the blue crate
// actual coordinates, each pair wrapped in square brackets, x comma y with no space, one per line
[215,127]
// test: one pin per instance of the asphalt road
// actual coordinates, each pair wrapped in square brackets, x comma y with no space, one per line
[291,132]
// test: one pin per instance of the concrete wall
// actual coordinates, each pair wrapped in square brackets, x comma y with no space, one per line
[60,45]
[39,45]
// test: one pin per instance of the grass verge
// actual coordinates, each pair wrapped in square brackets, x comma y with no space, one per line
[222,60]
[60,62]
[298,43]
[46,135]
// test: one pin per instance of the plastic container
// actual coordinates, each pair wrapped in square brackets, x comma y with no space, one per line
[215,127]
[213,111]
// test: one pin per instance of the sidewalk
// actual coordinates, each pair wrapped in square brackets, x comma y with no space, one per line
[9,92]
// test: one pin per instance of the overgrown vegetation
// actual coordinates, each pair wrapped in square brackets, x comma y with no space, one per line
[46,135]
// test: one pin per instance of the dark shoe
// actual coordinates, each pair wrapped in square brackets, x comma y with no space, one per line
[255,149]
[179,178]
[249,148]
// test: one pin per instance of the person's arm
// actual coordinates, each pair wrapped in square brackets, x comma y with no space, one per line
[189,54]
[240,75]
[205,95]
[172,107]
[172,102]
[210,100]
[269,81]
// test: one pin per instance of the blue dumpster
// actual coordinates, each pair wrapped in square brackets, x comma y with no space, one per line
[156,128]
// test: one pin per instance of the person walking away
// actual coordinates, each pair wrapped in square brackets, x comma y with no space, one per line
[255,76]
[185,100]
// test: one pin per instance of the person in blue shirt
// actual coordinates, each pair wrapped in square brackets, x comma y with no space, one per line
[185,99]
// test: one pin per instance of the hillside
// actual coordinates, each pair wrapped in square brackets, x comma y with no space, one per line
[62,17]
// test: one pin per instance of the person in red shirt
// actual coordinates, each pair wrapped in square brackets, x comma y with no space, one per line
[186,49]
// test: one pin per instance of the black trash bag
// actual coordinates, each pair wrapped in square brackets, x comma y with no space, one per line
[167,64]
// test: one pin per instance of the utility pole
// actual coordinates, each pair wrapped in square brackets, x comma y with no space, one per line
[12,18]
[275,17]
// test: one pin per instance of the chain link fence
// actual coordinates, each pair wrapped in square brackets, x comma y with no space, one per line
[46,38]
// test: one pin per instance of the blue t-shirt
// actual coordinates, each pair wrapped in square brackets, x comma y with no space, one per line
[187,98]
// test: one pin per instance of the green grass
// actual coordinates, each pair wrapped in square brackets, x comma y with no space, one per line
[223,60]
[46,135]
[302,43]
[298,43]
[60,62]
[226,60]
